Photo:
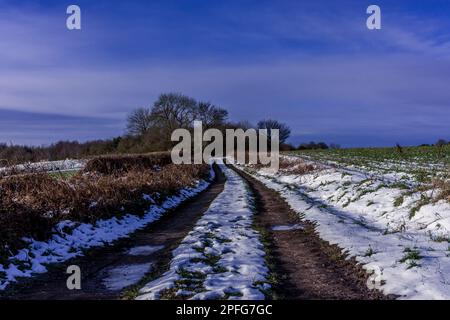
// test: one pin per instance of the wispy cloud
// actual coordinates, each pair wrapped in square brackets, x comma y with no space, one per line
[318,69]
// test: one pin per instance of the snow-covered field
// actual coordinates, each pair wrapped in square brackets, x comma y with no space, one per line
[221,257]
[395,233]
[397,227]
[414,165]
[70,238]
[48,166]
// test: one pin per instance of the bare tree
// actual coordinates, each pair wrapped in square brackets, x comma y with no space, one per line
[440,144]
[210,115]
[174,110]
[139,122]
[284,130]
[244,125]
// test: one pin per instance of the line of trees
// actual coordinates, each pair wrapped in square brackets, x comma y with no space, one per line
[440,143]
[13,154]
[147,130]
[154,126]
[310,146]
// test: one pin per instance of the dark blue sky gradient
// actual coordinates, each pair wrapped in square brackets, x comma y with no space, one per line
[311,64]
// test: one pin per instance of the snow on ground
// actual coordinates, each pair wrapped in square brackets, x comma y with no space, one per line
[408,255]
[143,250]
[70,239]
[125,276]
[388,170]
[49,166]
[221,257]
[287,227]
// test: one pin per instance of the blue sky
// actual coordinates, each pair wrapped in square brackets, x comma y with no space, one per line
[311,64]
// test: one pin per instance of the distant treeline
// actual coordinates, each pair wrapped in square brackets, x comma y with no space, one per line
[148,130]
[319,145]
[13,154]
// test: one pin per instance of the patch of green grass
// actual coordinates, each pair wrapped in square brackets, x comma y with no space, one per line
[413,264]
[363,193]
[398,185]
[411,256]
[341,196]
[399,201]
[191,281]
[347,203]
[200,249]
[232,294]
[345,174]
[63,175]
[424,200]
[439,238]
[359,184]
[413,211]
[212,259]
[219,269]
[273,278]
[369,252]
[183,273]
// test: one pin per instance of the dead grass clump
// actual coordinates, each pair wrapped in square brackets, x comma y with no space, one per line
[290,166]
[119,164]
[18,221]
[295,166]
[444,189]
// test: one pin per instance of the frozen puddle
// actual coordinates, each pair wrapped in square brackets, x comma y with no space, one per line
[287,227]
[143,250]
[124,276]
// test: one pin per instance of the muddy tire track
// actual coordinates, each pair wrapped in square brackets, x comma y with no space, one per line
[304,266]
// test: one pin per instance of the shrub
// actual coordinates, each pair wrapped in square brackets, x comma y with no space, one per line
[115,164]
[32,204]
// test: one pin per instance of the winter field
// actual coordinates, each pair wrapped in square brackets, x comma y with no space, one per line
[402,164]
[386,211]
[389,208]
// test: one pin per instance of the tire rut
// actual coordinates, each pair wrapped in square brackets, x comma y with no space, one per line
[305,266]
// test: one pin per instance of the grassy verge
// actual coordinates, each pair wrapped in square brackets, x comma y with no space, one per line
[32,204]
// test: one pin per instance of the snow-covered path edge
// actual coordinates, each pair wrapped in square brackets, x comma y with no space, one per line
[71,239]
[222,257]
[379,253]
[48,166]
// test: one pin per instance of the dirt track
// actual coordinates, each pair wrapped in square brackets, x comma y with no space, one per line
[304,266]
